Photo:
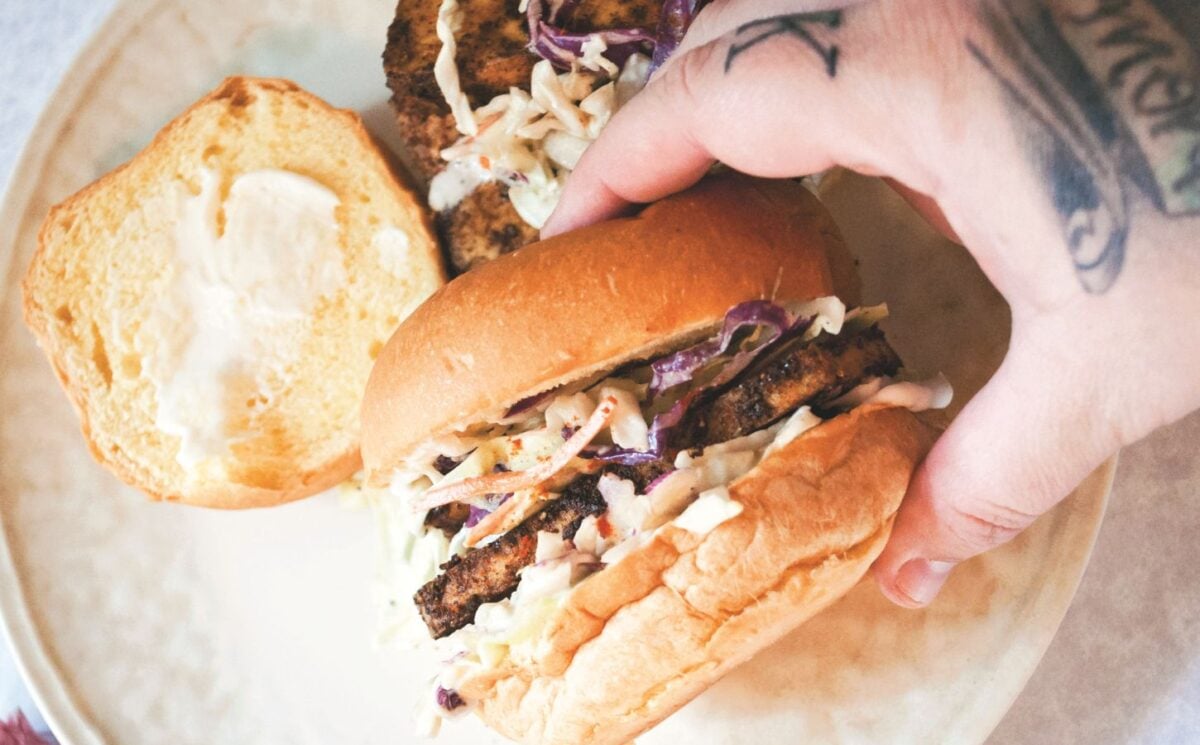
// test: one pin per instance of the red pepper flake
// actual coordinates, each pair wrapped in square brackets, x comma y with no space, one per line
[604,527]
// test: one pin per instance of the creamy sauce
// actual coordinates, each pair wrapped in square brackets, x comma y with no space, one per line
[445,69]
[934,393]
[235,300]
[454,184]
[710,509]
[592,56]
[530,141]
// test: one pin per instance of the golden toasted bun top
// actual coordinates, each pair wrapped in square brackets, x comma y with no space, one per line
[583,303]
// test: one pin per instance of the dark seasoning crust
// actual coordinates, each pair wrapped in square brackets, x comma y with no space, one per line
[492,58]
[812,373]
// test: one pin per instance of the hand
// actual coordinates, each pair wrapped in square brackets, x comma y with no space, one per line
[1059,140]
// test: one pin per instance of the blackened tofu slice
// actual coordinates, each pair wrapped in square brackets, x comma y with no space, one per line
[490,573]
[810,374]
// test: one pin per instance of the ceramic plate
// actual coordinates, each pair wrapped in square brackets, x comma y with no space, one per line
[148,623]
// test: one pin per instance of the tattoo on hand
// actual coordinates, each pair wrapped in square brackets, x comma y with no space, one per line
[1112,91]
[810,28]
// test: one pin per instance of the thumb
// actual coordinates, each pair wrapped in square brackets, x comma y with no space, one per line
[1034,432]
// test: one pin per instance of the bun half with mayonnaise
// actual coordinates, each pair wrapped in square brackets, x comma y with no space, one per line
[212,308]
[624,460]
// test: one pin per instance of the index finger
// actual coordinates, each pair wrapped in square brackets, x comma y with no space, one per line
[762,99]
[646,152]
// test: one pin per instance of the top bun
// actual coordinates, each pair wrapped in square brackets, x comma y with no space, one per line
[586,302]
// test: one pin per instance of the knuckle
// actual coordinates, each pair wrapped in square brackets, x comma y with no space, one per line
[689,77]
[981,523]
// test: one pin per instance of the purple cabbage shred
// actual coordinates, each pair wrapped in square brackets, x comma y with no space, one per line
[680,367]
[549,38]
[664,423]
[528,403]
[475,514]
[448,699]
[563,48]
[676,19]
[626,456]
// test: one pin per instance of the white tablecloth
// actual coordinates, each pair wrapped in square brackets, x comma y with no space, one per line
[1125,668]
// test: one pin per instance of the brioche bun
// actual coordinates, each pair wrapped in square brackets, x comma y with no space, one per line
[577,305]
[635,641]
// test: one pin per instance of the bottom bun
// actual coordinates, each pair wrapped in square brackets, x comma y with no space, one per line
[636,641]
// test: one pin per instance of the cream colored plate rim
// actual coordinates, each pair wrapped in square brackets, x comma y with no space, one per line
[1101,481]
[41,675]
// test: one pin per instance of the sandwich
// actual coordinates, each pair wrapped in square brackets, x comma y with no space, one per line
[622,461]
[497,100]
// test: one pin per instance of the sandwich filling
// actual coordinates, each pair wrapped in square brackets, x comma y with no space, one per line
[530,141]
[491,528]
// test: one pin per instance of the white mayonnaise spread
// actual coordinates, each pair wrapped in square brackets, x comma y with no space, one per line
[245,275]
[392,246]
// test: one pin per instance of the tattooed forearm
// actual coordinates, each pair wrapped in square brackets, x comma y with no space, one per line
[813,29]
[1110,91]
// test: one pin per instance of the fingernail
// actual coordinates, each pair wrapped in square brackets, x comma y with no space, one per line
[920,580]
